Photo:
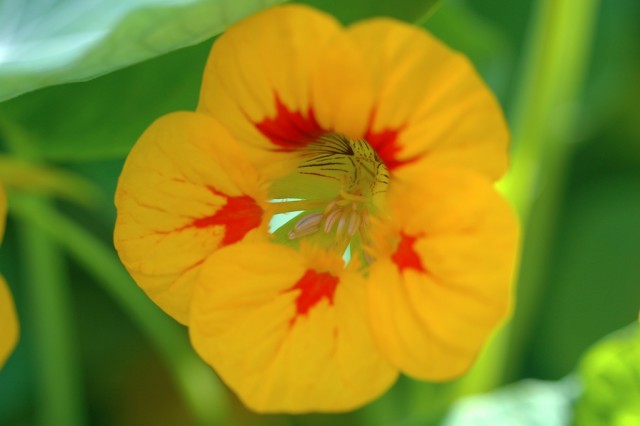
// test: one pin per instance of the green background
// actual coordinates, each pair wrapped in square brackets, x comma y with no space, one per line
[94,350]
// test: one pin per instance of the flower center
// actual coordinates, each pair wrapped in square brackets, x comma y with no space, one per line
[345,179]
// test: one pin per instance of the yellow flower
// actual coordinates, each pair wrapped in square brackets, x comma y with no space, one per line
[9,328]
[386,144]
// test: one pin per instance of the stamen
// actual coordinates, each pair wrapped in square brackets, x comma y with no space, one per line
[354,222]
[361,175]
[306,226]
[365,221]
[330,220]
[342,222]
[330,206]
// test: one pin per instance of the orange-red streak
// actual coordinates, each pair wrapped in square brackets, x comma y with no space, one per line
[405,256]
[314,286]
[238,216]
[291,130]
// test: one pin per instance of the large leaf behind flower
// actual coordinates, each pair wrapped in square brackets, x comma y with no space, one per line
[102,118]
[46,42]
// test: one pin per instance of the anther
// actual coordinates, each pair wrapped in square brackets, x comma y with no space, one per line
[342,222]
[354,223]
[306,226]
[330,220]
[330,206]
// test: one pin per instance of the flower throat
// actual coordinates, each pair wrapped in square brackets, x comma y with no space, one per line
[351,177]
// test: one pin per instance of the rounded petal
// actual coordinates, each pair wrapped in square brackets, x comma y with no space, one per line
[10,329]
[430,104]
[342,95]
[286,334]
[283,77]
[442,279]
[185,190]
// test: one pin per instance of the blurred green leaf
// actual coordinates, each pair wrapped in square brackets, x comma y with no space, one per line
[465,30]
[594,275]
[102,118]
[196,381]
[22,175]
[46,42]
[611,378]
[611,90]
[51,325]
[356,10]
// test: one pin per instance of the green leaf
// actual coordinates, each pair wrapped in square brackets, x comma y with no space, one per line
[22,175]
[463,29]
[593,277]
[611,376]
[611,91]
[198,385]
[55,350]
[103,118]
[356,10]
[46,42]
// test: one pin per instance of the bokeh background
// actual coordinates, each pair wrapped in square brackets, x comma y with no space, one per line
[93,350]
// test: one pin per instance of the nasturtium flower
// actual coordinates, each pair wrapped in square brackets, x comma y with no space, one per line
[326,218]
[9,328]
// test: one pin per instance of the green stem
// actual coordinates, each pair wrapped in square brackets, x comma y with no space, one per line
[51,326]
[198,384]
[544,117]
[545,110]
[544,126]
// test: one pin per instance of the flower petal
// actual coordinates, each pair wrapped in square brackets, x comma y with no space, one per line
[442,279]
[342,92]
[286,334]
[430,103]
[285,76]
[10,329]
[185,191]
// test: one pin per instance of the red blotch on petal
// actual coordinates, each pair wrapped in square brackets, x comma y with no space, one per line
[290,130]
[314,286]
[386,145]
[238,216]
[405,256]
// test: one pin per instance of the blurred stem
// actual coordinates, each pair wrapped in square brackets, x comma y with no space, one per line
[51,325]
[545,109]
[431,8]
[195,380]
[544,116]
[17,173]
